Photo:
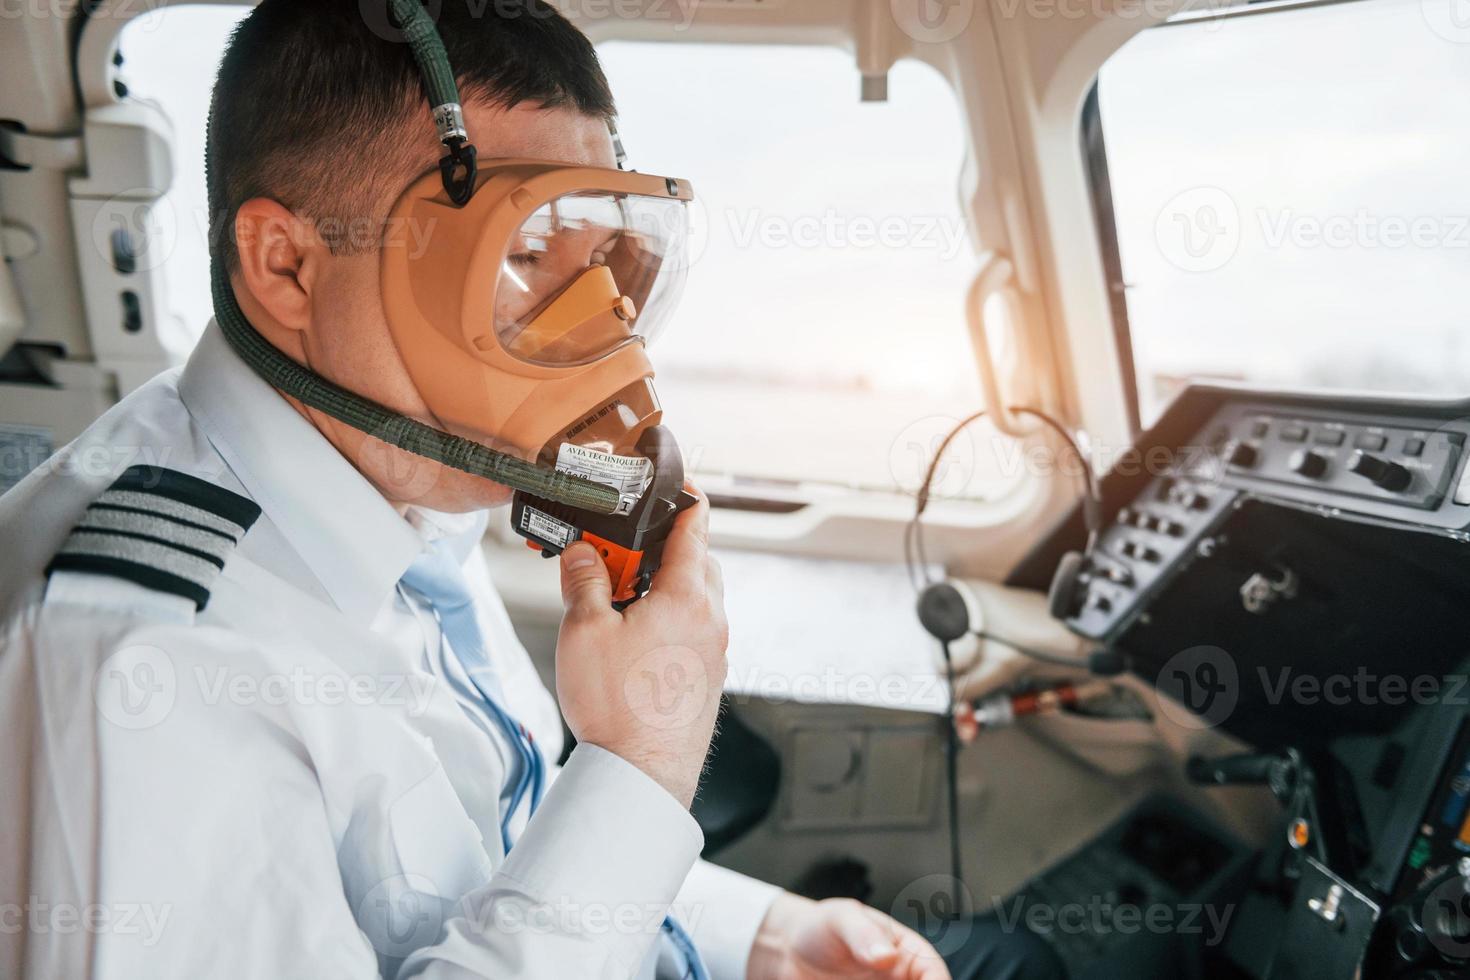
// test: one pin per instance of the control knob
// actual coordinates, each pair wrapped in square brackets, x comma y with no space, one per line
[1305,462]
[1385,474]
[1241,454]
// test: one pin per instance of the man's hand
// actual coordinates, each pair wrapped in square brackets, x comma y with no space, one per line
[805,940]
[645,683]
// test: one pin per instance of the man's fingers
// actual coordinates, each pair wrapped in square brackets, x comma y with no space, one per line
[683,569]
[920,961]
[869,938]
[586,589]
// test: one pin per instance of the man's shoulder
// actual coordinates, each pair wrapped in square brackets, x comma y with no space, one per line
[140,497]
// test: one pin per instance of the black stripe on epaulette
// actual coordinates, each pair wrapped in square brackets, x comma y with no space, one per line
[144,575]
[190,490]
[166,531]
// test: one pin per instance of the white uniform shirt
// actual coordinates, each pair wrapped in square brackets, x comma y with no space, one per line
[296,781]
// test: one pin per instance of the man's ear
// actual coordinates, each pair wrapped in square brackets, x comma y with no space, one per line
[280,260]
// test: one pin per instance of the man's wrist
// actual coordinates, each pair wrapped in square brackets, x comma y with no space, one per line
[673,774]
[770,954]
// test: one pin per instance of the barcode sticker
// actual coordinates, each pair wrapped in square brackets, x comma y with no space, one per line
[628,475]
[547,528]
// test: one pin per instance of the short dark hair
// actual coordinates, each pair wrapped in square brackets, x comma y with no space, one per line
[317,101]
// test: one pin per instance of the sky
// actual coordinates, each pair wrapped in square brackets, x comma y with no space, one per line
[1318,159]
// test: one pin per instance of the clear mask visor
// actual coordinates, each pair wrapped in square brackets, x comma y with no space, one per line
[589,273]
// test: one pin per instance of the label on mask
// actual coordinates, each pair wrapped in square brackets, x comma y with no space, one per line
[547,528]
[628,475]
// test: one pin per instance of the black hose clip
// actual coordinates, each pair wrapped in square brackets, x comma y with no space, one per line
[458,168]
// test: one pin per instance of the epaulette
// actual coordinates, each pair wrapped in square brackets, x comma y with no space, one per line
[162,529]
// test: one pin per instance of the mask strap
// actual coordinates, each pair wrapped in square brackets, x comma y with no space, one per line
[364,414]
[617,142]
[458,165]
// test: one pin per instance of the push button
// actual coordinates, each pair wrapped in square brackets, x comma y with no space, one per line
[1294,433]
[1241,455]
[1331,437]
[1371,441]
[1413,447]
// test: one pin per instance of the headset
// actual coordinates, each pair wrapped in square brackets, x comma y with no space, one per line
[949,610]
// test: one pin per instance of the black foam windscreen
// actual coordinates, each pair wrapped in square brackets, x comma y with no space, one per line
[944,612]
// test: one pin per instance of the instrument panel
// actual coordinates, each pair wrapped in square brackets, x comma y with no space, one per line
[1348,459]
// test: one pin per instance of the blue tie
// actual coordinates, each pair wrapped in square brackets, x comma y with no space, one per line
[436,576]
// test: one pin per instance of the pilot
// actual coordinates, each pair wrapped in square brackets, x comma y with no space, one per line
[264,714]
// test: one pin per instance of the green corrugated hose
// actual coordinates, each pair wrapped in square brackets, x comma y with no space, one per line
[368,416]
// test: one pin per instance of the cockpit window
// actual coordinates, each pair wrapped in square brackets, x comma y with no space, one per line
[1290,200]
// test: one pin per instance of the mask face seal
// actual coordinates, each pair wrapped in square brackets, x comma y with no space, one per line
[523,318]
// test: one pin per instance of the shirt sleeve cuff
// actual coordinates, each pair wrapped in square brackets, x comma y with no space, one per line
[607,837]
[723,910]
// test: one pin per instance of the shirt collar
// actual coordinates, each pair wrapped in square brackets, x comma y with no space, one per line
[355,543]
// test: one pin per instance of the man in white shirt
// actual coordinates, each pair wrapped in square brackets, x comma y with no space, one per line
[247,737]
